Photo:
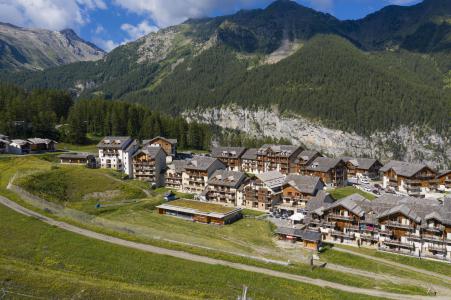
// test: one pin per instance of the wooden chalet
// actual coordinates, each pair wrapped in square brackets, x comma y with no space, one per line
[264,192]
[311,240]
[444,179]
[197,172]
[83,159]
[174,174]
[168,145]
[277,158]
[409,178]
[4,143]
[42,145]
[149,165]
[331,170]
[357,167]
[18,146]
[249,163]
[230,156]
[297,190]
[304,159]
[223,186]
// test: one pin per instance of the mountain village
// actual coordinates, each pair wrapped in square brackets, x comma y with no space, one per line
[410,214]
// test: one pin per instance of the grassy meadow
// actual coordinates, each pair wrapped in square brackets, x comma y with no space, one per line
[340,193]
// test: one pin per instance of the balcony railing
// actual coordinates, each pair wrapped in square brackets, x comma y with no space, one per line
[349,235]
[339,217]
[399,244]
[439,228]
[395,224]
[437,249]
[368,237]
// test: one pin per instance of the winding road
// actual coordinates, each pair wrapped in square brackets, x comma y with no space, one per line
[202,259]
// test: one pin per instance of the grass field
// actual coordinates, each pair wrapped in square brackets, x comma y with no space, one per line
[38,260]
[92,148]
[349,190]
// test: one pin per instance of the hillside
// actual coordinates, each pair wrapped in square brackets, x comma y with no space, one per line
[37,49]
[388,70]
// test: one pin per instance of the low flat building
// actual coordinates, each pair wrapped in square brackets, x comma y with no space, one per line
[358,167]
[249,163]
[223,186]
[297,190]
[116,153]
[82,159]
[310,239]
[331,170]
[200,212]
[149,164]
[409,178]
[197,172]
[230,156]
[168,145]
[277,158]
[263,192]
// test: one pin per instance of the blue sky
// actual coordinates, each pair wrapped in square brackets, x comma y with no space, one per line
[108,23]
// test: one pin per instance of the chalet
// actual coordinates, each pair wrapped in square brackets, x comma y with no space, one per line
[444,179]
[223,186]
[173,175]
[83,159]
[230,156]
[297,190]
[41,145]
[249,163]
[116,153]
[409,178]
[264,192]
[169,145]
[19,147]
[304,159]
[201,212]
[358,167]
[277,158]
[197,172]
[331,170]
[149,165]
[311,239]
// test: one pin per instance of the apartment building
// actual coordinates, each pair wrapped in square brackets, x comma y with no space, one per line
[405,225]
[116,153]
[297,190]
[174,174]
[263,192]
[168,145]
[249,163]
[331,170]
[444,179]
[304,159]
[277,158]
[197,172]
[223,187]
[409,178]
[357,167]
[230,156]
[149,164]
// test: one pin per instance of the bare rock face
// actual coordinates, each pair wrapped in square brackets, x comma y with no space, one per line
[409,144]
[38,49]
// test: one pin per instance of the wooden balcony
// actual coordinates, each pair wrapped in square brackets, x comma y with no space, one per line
[339,217]
[348,235]
[395,224]
[399,244]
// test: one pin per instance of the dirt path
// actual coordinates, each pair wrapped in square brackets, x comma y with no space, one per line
[392,263]
[201,259]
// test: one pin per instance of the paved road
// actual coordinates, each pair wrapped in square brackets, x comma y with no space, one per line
[202,259]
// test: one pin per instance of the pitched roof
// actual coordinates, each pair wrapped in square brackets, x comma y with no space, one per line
[403,168]
[227,178]
[178,165]
[40,141]
[323,164]
[202,163]
[361,163]
[285,150]
[272,179]
[307,235]
[250,154]
[152,152]
[116,142]
[76,155]
[355,203]
[229,152]
[444,173]
[306,156]
[170,141]
[304,184]
[321,200]
[20,142]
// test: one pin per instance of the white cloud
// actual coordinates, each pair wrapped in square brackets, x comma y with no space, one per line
[50,14]
[170,12]
[99,29]
[135,32]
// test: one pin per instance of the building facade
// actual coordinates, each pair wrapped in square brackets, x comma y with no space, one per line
[197,172]
[332,171]
[277,158]
[230,156]
[149,165]
[297,190]
[249,163]
[116,153]
[168,145]
[223,187]
[358,167]
[263,192]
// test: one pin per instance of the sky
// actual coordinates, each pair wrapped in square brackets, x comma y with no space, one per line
[110,23]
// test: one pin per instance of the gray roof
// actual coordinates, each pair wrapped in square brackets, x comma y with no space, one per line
[403,168]
[444,173]
[178,165]
[152,152]
[4,141]
[285,150]
[201,163]
[20,142]
[305,184]
[40,141]
[323,164]
[227,152]
[321,200]
[171,141]
[354,203]
[76,155]
[227,178]
[116,142]
[306,155]
[272,179]
[250,154]
[361,163]
[307,235]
